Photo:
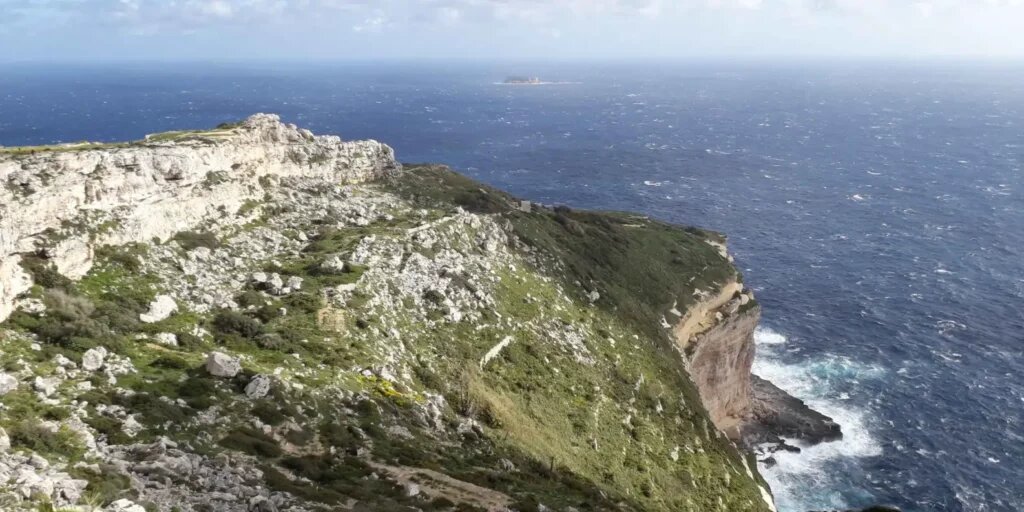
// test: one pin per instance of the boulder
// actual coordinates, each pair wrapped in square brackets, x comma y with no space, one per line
[294,283]
[258,387]
[261,504]
[334,264]
[167,338]
[410,489]
[161,307]
[124,505]
[274,284]
[67,491]
[93,358]
[5,441]
[63,362]
[45,386]
[8,383]
[222,365]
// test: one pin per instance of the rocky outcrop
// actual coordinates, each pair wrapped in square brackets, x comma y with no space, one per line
[775,415]
[716,336]
[719,360]
[60,204]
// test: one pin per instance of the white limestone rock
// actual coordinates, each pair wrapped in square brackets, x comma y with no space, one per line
[275,284]
[124,505]
[13,279]
[64,362]
[258,387]
[45,386]
[219,364]
[92,359]
[167,338]
[72,257]
[8,383]
[157,188]
[131,426]
[162,307]
[334,264]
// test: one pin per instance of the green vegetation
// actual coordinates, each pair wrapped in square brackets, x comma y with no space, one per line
[586,405]
[640,266]
[192,239]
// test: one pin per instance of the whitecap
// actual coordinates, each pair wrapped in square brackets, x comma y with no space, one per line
[805,481]
[766,336]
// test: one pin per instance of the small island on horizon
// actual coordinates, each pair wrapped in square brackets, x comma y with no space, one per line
[521,80]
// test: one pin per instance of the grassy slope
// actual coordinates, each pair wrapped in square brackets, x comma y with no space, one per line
[595,436]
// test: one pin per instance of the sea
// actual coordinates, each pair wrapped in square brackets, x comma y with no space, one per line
[876,208]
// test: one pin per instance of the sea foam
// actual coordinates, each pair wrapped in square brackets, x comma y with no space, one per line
[805,481]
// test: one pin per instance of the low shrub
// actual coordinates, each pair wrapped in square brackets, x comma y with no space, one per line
[233,322]
[30,434]
[252,442]
[251,298]
[271,341]
[189,240]
[44,273]
[303,302]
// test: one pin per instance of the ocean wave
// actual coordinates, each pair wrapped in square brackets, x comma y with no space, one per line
[766,336]
[810,479]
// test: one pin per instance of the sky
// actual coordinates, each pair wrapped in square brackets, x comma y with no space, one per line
[113,30]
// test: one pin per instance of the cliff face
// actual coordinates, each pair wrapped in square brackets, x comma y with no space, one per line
[62,202]
[256,318]
[716,338]
[719,363]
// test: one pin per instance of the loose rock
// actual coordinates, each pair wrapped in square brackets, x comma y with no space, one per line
[93,358]
[222,365]
[166,338]
[7,383]
[161,308]
[258,387]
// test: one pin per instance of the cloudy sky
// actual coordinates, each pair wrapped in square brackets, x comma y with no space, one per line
[506,29]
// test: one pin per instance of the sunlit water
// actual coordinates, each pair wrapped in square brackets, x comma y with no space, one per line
[876,210]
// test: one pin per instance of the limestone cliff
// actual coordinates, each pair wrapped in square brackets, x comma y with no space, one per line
[62,201]
[716,337]
[253,318]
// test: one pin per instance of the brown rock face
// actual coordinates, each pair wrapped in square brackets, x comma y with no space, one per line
[717,340]
[720,359]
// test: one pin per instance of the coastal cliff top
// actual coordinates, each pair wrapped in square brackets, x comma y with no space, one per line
[256,129]
[307,330]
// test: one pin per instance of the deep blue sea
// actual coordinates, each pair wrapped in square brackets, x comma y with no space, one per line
[876,208]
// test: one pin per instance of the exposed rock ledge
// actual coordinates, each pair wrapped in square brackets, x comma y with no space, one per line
[155,188]
[717,339]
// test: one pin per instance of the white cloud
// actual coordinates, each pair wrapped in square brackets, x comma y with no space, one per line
[553,28]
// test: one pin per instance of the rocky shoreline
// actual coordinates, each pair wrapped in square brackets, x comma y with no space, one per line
[777,416]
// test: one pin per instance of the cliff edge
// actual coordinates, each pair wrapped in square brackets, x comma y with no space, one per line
[254,318]
[62,201]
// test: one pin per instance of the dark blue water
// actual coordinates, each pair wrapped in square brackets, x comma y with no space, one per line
[878,210]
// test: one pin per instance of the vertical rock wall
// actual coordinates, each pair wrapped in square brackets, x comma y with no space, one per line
[719,365]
